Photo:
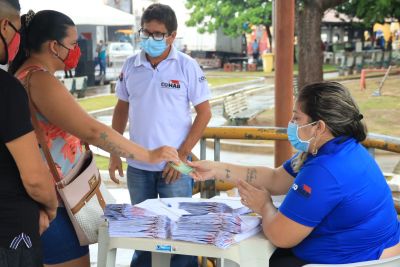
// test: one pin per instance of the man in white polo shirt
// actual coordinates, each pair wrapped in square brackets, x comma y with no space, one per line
[155,90]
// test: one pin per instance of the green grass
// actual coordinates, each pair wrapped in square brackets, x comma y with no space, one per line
[218,81]
[211,73]
[260,73]
[101,102]
[381,114]
[325,67]
[96,103]
[102,163]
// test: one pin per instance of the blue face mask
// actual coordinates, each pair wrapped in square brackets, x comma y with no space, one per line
[152,47]
[294,139]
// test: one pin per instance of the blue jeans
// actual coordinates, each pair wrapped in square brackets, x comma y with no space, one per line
[144,185]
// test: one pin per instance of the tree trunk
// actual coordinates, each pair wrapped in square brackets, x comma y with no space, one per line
[309,39]
[269,35]
[309,43]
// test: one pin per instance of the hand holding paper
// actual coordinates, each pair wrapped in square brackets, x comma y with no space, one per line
[181,167]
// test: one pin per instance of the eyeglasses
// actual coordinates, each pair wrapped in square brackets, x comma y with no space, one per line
[157,36]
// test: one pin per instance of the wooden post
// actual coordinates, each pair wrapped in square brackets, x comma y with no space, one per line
[284,40]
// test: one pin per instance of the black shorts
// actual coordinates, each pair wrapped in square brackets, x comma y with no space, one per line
[285,257]
[21,257]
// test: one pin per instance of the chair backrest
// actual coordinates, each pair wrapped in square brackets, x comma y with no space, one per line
[389,262]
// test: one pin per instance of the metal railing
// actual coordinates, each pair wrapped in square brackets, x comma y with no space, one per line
[209,188]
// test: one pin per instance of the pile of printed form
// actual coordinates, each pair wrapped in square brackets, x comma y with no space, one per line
[217,221]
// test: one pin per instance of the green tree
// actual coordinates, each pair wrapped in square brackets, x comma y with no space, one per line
[232,15]
[309,15]
[371,11]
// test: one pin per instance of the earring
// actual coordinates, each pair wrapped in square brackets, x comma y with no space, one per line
[314,151]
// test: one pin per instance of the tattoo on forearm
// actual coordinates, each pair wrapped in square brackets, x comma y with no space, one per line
[227,174]
[251,175]
[113,148]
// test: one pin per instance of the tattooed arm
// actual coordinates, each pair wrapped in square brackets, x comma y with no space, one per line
[276,181]
[60,108]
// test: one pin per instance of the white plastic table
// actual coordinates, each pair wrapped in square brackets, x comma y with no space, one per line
[252,252]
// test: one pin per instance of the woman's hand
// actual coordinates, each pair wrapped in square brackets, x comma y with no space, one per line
[253,198]
[164,153]
[203,170]
[44,221]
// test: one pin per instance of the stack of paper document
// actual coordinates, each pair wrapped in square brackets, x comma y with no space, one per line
[206,221]
[129,221]
[220,229]
[205,207]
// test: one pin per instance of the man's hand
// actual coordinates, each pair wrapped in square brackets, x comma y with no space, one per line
[252,197]
[51,213]
[115,164]
[170,174]
[44,221]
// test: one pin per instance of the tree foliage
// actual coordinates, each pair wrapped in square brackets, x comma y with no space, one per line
[233,16]
[371,11]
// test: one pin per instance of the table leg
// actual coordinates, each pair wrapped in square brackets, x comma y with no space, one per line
[105,256]
[160,259]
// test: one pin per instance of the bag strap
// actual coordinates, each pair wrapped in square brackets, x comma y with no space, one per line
[27,74]
[38,130]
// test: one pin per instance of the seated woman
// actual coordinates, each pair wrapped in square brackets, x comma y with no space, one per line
[338,207]
[49,44]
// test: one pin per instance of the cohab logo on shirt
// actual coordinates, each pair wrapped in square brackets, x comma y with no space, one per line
[174,84]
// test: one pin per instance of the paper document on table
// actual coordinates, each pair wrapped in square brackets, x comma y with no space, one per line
[206,221]
[161,206]
[125,220]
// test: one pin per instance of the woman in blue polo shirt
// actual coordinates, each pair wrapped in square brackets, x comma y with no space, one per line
[338,207]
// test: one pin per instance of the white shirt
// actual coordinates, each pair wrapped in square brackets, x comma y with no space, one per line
[159,100]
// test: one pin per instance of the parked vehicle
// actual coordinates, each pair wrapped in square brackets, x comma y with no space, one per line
[117,54]
[213,49]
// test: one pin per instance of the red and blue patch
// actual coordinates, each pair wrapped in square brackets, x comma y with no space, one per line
[303,190]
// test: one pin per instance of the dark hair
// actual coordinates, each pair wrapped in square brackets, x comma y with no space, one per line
[12,3]
[44,26]
[332,103]
[161,13]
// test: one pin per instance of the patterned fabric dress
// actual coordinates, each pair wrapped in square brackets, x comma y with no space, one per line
[65,148]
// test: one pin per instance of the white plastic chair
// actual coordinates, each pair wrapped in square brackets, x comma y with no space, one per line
[389,262]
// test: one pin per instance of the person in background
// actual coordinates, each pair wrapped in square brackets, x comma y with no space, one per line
[28,200]
[256,51]
[49,43]
[185,49]
[101,57]
[338,208]
[389,43]
[155,91]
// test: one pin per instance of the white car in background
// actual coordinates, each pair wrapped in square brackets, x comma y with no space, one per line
[117,53]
